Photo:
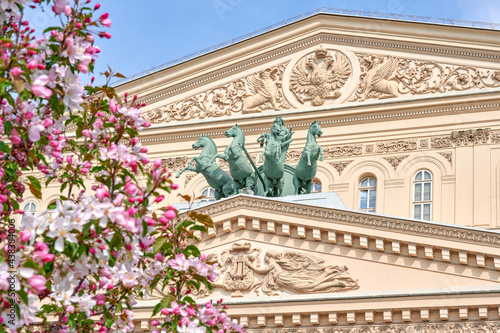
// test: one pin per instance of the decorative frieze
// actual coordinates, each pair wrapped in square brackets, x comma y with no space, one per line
[342,151]
[396,146]
[174,164]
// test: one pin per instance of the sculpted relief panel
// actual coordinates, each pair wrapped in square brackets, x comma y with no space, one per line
[324,76]
[242,271]
[254,93]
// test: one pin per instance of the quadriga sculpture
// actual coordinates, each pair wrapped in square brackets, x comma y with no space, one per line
[216,177]
[276,144]
[307,166]
[239,168]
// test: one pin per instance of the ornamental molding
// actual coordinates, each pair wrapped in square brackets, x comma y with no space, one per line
[471,327]
[355,119]
[464,138]
[353,218]
[340,166]
[448,156]
[395,160]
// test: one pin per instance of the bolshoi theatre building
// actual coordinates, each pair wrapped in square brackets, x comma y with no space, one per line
[398,227]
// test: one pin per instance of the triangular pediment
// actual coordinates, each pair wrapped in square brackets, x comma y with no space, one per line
[322,63]
[272,250]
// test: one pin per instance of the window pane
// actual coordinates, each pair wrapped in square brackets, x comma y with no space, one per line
[318,187]
[418,176]
[417,211]
[373,183]
[418,192]
[372,203]
[364,183]
[373,194]
[427,175]
[364,194]
[427,191]
[427,212]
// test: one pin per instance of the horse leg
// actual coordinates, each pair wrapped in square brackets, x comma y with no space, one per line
[189,167]
[308,185]
[296,184]
[321,154]
[261,158]
[308,155]
[280,184]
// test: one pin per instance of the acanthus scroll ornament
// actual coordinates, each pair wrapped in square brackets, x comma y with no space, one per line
[320,76]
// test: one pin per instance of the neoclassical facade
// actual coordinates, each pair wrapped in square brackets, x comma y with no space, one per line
[404,234]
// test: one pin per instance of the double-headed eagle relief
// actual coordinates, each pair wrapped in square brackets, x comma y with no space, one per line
[319,77]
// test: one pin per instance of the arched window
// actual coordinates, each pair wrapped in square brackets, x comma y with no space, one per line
[52,205]
[315,186]
[422,195]
[368,194]
[30,207]
[208,193]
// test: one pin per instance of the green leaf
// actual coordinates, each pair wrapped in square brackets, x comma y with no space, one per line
[24,296]
[7,126]
[192,250]
[158,244]
[35,182]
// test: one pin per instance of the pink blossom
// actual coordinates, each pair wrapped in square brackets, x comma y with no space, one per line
[180,263]
[34,132]
[157,163]
[106,22]
[42,91]
[98,123]
[47,122]
[31,64]
[25,235]
[86,133]
[170,214]
[15,71]
[38,283]
[16,139]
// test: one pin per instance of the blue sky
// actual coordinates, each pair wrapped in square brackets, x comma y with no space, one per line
[152,32]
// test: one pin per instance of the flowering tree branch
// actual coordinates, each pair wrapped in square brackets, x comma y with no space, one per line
[109,241]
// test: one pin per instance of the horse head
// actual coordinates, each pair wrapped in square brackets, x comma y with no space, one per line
[200,142]
[315,129]
[233,131]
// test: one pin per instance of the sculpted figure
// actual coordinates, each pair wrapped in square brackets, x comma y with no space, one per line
[239,168]
[205,164]
[307,166]
[276,144]
[301,274]
[264,89]
[377,79]
[316,80]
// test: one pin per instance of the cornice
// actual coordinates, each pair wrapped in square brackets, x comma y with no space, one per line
[394,110]
[399,225]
